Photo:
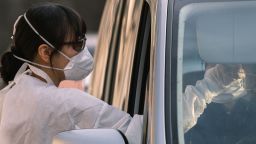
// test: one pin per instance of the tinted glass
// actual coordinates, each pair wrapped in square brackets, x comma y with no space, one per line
[217,72]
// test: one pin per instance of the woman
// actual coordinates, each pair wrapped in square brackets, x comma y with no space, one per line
[49,47]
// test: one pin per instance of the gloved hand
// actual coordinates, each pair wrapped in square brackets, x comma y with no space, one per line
[226,79]
[218,80]
[225,74]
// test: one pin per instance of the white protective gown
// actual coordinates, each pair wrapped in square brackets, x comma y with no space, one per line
[220,83]
[33,111]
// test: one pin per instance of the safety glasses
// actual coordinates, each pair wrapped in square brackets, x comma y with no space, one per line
[77,45]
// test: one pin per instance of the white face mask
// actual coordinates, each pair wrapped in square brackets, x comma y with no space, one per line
[78,67]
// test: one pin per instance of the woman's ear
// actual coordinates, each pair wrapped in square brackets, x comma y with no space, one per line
[44,53]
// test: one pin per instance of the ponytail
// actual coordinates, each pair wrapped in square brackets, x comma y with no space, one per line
[10,66]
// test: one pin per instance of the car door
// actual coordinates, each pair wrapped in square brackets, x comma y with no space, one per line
[202,35]
[124,85]
[124,63]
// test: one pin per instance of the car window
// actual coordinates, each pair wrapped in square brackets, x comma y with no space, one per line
[140,64]
[216,76]
[125,58]
[106,49]
[126,80]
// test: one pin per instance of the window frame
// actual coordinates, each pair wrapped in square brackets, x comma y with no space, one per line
[140,64]
[128,39]
[105,53]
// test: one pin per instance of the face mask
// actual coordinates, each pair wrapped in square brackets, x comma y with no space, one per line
[79,66]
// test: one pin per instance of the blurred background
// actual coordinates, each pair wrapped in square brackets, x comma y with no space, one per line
[90,10]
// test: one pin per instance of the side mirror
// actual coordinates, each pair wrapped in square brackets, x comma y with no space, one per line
[90,136]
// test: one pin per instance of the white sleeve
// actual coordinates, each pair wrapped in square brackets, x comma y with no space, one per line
[86,111]
[76,109]
[216,81]
[134,130]
[131,127]
[111,117]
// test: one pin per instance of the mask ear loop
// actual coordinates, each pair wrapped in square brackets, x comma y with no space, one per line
[46,41]
[14,26]
[32,27]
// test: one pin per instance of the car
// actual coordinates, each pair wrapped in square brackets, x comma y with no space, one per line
[149,51]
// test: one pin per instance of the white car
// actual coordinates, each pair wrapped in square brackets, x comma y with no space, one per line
[150,50]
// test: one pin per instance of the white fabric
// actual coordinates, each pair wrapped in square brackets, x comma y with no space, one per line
[34,111]
[79,66]
[218,82]
[134,131]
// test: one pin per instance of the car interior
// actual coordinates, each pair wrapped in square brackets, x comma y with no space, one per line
[221,33]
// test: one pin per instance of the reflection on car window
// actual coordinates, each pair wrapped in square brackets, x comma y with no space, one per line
[217,72]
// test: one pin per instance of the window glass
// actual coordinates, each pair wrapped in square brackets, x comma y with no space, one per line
[216,84]
[140,64]
[126,53]
[103,53]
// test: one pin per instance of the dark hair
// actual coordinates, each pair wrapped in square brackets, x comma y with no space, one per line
[56,23]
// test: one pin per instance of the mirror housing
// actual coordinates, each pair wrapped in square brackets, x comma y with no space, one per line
[90,136]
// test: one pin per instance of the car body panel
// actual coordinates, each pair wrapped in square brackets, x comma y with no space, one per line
[157,71]
[90,136]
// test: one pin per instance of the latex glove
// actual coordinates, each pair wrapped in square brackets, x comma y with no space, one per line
[218,80]
[225,74]
[228,81]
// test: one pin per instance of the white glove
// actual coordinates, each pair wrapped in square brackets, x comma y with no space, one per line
[218,80]
[228,79]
